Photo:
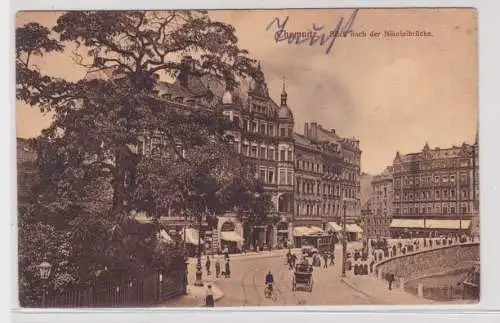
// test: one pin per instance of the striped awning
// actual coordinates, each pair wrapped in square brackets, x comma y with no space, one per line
[353,228]
[307,231]
[230,236]
[447,224]
[191,236]
[333,226]
[407,223]
[163,236]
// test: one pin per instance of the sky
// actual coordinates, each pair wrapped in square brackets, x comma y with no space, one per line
[392,93]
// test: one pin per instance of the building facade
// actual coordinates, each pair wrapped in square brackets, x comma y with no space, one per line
[435,191]
[308,176]
[327,169]
[377,212]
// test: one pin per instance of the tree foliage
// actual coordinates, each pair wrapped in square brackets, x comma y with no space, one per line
[91,174]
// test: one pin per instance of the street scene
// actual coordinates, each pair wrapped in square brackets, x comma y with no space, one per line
[192,159]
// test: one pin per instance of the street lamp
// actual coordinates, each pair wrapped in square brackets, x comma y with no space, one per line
[44,269]
[256,195]
[344,242]
[199,273]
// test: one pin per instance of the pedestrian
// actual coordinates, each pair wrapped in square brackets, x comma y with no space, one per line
[217,267]
[207,265]
[226,252]
[332,258]
[325,257]
[209,299]
[390,280]
[227,269]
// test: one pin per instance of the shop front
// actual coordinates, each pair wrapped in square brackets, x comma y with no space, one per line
[230,234]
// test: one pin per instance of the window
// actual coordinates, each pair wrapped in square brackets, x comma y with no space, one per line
[290,132]
[436,179]
[271,154]
[271,130]
[445,210]
[290,156]
[452,194]
[245,149]
[271,177]
[282,177]
[254,127]
[263,128]
[429,209]
[282,155]
[464,194]
[438,195]
[289,177]
[452,210]
[263,175]
[397,196]
[262,153]
[298,164]
[245,125]
[254,151]
[282,132]
[445,194]
[236,121]
[445,179]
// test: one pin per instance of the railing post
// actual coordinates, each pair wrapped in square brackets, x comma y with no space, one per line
[420,290]
[160,287]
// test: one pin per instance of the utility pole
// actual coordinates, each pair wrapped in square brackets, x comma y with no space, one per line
[344,242]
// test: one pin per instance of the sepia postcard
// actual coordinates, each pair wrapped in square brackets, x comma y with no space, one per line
[230,158]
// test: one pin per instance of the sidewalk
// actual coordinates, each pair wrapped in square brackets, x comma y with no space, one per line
[250,255]
[195,297]
[378,289]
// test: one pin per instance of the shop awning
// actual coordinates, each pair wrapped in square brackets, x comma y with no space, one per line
[354,228]
[191,236]
[307,231]
[164,236]
[447,224]
[333,226]
[407,223]
[230,236]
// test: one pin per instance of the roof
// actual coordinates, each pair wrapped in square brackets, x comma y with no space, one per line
[437,153]
[284,113]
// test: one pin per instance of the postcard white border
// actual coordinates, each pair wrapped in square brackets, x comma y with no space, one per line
[489,99]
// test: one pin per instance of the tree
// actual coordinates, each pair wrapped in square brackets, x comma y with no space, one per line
[91,173]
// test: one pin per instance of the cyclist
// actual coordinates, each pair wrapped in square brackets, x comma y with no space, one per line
[269,282]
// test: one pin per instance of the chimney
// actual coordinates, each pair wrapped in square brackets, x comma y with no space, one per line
[306,129]
[333,131]
[186,69]
[314,130]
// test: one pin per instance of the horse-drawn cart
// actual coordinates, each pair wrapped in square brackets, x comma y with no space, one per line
[303,276]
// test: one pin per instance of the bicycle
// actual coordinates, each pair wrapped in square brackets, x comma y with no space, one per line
[269,292]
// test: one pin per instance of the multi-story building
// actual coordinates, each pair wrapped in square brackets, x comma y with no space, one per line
[377,212]
[435,191]
[308,176]
[327,177]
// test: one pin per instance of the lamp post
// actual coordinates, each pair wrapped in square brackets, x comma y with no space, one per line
[44,269]
[199,273]
[344,242]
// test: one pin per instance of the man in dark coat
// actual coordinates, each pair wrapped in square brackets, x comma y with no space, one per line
[390,280]
[227,271]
